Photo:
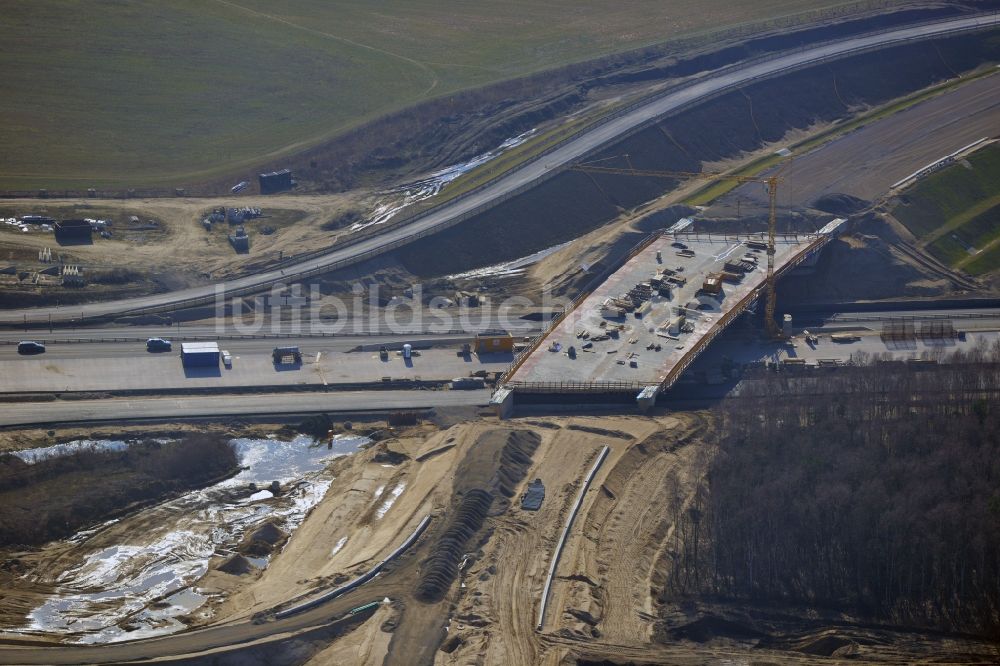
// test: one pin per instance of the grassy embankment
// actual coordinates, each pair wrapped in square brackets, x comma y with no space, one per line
[182,90]
[955,212]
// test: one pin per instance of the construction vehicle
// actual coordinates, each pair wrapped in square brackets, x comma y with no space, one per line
[771,182]
[286,356]
[712,284]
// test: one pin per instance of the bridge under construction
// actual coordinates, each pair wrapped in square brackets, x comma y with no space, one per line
[636,333]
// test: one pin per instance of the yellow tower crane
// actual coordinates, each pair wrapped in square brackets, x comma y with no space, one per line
[771,182]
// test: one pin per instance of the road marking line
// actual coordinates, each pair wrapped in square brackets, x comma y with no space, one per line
[728,252]
[319,370]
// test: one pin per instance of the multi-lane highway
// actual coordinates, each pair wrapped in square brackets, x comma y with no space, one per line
[221,406]
[121,343]
[526,175]
[116,360]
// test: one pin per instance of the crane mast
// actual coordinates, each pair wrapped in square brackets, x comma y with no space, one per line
[771,182]
[772,224]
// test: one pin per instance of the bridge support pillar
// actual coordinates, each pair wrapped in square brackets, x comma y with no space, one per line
[503,402]
[647,398]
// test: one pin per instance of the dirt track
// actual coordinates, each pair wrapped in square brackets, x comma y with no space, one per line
[598,576]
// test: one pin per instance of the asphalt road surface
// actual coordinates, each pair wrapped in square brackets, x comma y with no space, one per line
[210,406]
[60,345]
[529,173]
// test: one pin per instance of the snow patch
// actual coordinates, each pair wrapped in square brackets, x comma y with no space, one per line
[398,198]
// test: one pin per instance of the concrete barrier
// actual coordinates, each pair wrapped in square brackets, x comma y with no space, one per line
[360,580]
[562,537]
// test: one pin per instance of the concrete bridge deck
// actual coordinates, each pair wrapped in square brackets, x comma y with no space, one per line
[624,358]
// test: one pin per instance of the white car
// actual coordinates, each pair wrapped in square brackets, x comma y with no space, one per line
[227,359]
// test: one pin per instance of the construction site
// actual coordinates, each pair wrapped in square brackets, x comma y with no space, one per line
[641,328]
[685,355]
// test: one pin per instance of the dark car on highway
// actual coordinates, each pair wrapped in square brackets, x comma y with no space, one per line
[158,345]
[30,347]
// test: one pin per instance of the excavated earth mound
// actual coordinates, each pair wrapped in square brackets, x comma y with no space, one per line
[263,541]
[237,565]
[486,479]
[441,567]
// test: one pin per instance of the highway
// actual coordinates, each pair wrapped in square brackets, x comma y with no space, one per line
[520,178]
[115,410]
[138,372]
[122,344]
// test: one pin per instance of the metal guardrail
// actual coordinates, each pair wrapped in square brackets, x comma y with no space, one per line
[916,318]
[576,387]
[265,336]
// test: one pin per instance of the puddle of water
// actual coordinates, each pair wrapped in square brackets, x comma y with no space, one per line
[274,460]
[152,621]
[112,593]
[259,562]
[398,198]
[390,500]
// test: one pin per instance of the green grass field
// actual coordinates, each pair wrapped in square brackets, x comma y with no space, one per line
[986,261]
[956,209]
[112,93]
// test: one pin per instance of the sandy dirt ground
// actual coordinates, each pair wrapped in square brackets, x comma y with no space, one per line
[604,602]
[370,508]
[602,585]
[366,646]
[185,245]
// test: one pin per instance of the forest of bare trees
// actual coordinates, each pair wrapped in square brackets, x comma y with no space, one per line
[55,497]
[874,489]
